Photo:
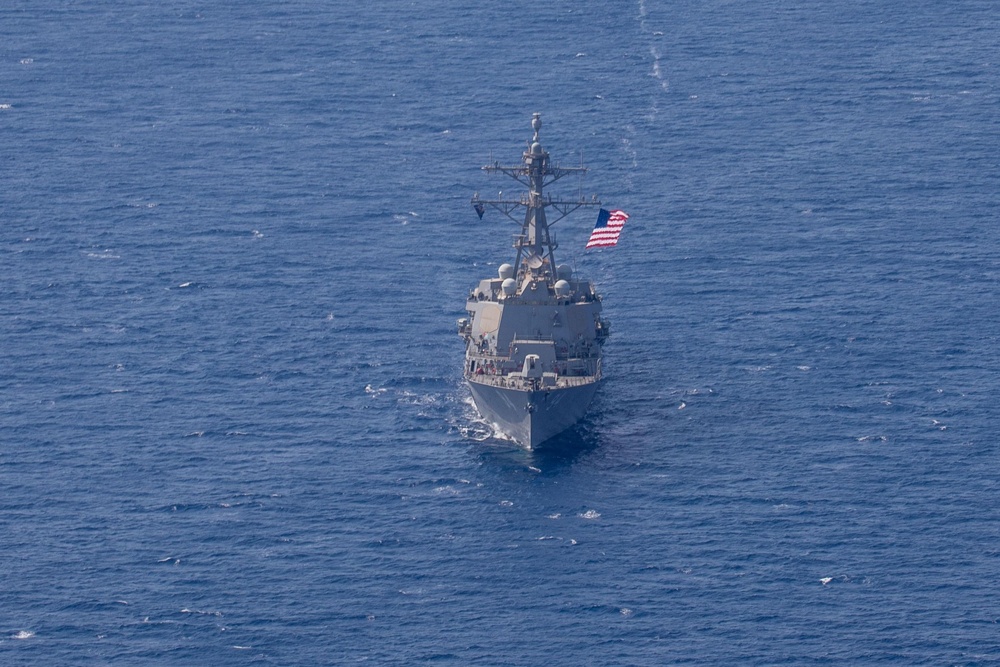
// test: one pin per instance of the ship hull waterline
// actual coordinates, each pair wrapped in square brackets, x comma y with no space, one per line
[531,417]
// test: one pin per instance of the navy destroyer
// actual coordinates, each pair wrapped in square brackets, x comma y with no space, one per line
[534,332]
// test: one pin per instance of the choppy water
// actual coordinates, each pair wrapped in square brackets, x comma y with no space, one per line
[234,243]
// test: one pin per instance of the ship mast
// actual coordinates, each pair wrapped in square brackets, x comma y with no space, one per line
[535,245]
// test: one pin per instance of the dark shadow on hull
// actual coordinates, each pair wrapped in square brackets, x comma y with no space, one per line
[553,455]
[567,447]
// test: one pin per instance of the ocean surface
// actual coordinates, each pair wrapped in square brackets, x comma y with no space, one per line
[234,242]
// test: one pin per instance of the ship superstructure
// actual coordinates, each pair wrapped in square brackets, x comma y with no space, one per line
[534,332]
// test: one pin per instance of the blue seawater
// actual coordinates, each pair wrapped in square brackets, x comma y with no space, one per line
[234,241]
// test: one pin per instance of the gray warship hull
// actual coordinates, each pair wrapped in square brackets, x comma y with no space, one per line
[531,417]
[534,332]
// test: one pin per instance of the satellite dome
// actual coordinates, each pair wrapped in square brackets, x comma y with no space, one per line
[509,286]
[506,271]
[562,288]
[564,271]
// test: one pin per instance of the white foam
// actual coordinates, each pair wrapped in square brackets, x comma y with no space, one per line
[23,634]
[590,514]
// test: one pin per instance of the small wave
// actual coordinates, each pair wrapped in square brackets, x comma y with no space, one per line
[412,398]
[475,433]
[5,106]
[200,613]
[23,634]
[590,514]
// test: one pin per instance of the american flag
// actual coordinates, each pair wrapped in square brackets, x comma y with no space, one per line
[608,229]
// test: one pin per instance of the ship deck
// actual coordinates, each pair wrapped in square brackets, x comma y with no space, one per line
[531,384]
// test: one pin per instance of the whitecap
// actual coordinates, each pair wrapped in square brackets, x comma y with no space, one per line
[506,503]
[590,514]
[5,106]
[825,580]
[554,516]
[23,634]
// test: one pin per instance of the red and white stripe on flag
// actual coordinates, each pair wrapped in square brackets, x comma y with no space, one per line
[608,229]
